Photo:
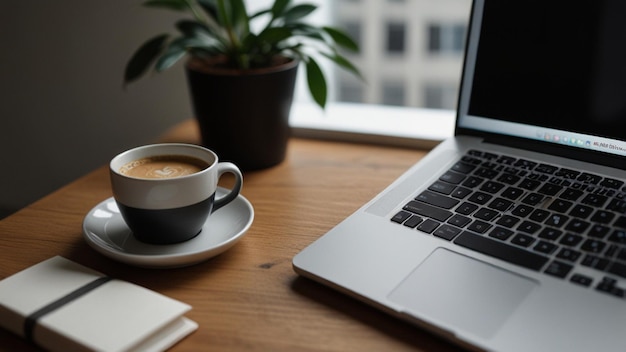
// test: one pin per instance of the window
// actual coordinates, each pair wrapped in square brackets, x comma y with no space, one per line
[411,56]
[353,29]
[440,96]
[446,39]
[396,33]
[393,93]
[350,91]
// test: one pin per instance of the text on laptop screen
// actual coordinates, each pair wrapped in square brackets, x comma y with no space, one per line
[554,71]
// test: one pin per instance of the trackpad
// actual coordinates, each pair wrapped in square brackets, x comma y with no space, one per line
[462,293]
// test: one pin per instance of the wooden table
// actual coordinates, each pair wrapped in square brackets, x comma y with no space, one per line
[248,298]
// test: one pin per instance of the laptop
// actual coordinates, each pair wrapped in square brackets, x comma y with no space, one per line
[511,235]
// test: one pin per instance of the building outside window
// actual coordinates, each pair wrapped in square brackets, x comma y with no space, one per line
[396,33]
[393,93]
[416,44]
[446,38]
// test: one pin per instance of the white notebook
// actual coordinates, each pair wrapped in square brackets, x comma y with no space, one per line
[61,305]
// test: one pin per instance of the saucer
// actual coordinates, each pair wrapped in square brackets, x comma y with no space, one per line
[106,232]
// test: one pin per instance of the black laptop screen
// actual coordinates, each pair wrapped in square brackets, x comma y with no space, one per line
[551,70]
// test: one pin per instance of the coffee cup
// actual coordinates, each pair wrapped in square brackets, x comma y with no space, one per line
[165,192]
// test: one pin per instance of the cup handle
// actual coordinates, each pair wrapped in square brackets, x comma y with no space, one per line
[223,168]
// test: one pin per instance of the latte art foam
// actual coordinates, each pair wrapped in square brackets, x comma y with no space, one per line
[163,166]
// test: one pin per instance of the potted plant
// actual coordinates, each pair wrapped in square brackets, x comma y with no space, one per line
[241,70]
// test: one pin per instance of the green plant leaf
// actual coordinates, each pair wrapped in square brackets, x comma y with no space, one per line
[341,38]
[191,28]
[279,7]
[344,63]
[144,57]
[223,14]
[309,31]
[274,35]
[239,17]
[178,5]
[297,12]
[170,57]
[316,82]
[210,7]
[207,44]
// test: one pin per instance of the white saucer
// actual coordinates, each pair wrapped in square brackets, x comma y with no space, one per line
[106,232]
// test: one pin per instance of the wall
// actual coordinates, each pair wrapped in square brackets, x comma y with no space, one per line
[63,108]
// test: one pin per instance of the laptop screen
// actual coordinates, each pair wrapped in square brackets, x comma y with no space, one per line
[553,71]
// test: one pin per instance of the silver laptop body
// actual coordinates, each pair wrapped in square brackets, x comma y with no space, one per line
[511,235]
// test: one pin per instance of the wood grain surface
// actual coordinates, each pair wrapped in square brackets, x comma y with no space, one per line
[248,298]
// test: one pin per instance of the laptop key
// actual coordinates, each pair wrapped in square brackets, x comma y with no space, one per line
[566,173]
[512,193]
[545,247]
[620,222]
[507,221]
[426,210]
[413,221]
[532,199]
[571,194]
[442,187]
[550,234]
[480,198]
[556,220]
[466,208]
[593,246]
[501,250]
[589,178]
[581,211]
[577,226]
[569,254]
[401,216]
[608,285]
[472,181]
[550,189]
[459,220]
[522,210]
[501,233]
[529,184]
[491,187]
[486,214]
[452,177]
[522,240]
[618,269]
[602,217]
[594,200]
[571,240]
[611,183]
[479,226]
[560,205]
[447,232]
[509,178]
[463,167]
[581,280]
[500,204]
[486,173]
[529,227]
[558,269]
[595,262]
[461,192]
[428,226]
[618,236]
[437,200]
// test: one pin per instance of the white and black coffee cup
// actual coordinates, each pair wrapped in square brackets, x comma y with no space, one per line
[163,203]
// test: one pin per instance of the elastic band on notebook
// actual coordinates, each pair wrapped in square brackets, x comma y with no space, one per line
[31,320]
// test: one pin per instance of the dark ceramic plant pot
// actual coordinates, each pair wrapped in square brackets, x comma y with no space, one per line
[244,116]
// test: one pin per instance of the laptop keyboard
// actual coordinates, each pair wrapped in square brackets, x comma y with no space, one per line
[542,217]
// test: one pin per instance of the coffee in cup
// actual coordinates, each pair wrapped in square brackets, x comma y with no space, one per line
[165,192]
[163,166]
